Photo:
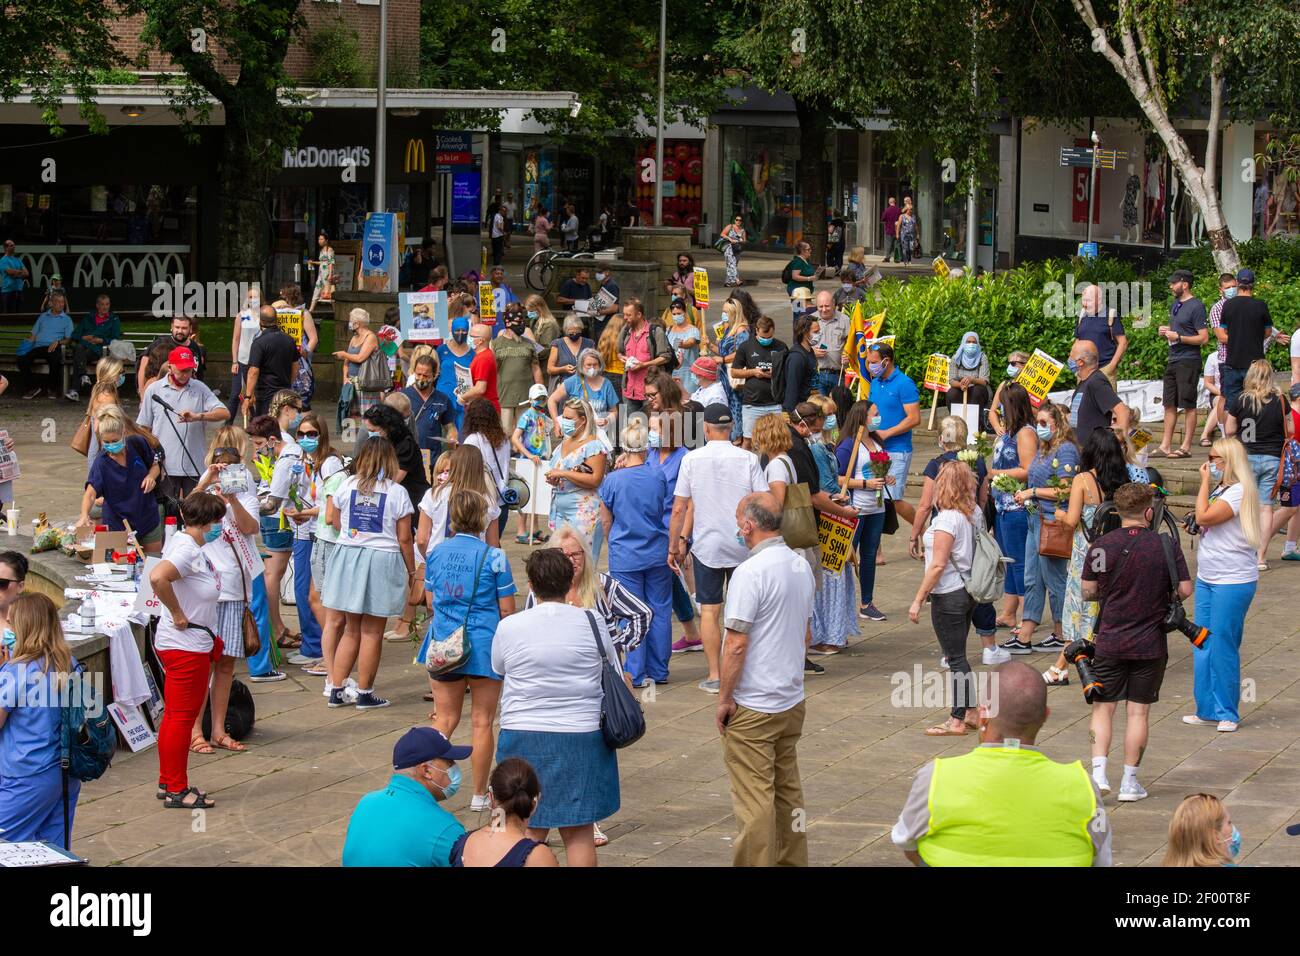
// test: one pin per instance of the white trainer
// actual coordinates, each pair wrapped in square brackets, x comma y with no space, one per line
[1100,780]
[1130,792]
[1227,726]
[995,655]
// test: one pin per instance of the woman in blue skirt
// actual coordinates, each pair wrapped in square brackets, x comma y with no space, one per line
[369,575]
[551,662]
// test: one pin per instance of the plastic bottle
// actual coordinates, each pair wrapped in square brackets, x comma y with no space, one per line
[169,529]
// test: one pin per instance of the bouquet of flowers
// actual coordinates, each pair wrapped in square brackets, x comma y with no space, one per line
[878,463]
[1009,486]
[970,456]
[983,444]
[1060,484]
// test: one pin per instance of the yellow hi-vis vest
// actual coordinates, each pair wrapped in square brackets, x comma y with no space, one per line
[1000,806]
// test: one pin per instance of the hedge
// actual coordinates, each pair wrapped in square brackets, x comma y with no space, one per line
[929,314]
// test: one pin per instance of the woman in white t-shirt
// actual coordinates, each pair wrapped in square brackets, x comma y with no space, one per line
[233,551]
[371,569]
[1227,509]
[950,546]
[771,440]
[188,587]
[246,327]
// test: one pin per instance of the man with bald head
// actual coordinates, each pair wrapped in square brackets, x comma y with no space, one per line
[1094,401]
[1005,803]
[761,701]
[828,347]
[482,369]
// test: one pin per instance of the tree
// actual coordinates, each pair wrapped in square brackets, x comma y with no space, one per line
[1237,51]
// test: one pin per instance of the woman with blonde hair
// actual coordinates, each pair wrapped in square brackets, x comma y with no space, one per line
[578,466]
[738,331]
[370,571]
[607,346]
[771,442]
[1259,417]
[1201,833]
[950,550]
[857,261]
[541,322]
[31,776]
[1227,511]
[124,475]
[1057,461]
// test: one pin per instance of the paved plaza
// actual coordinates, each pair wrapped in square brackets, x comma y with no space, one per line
[286,801]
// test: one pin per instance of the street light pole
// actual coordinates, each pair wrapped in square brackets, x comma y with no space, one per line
[972,198]
[659,126]
[1092,182]
[379,203]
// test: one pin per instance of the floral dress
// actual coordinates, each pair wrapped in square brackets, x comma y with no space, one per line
[834,617]
[326,274]
[573,506]
[730,342]
[686,354]
[1080,617]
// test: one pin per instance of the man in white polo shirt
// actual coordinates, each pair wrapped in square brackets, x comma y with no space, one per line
[710,484]
[192,406]
[761,704]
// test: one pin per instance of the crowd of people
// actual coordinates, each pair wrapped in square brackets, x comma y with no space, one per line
[670,451]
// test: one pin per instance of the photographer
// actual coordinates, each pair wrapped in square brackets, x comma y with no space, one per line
[1128,572]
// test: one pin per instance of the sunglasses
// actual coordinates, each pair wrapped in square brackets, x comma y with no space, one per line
[312,434]
[5,582]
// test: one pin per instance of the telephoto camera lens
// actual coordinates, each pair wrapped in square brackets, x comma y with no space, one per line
[1177,620]
[1079,653]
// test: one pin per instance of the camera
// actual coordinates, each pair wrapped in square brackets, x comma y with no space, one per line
[1190,525]
[1079,653]
[1176,619]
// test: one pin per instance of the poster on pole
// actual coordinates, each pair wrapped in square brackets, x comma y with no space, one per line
[936,372]
[701,287]
[1038,375]
[423,316]
[835,535]
[379,253]
[290,322]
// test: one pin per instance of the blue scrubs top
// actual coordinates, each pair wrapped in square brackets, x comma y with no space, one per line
[635,497]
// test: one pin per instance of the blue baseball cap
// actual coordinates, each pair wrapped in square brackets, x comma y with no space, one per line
[1246,277]
[460,324]
[422,744]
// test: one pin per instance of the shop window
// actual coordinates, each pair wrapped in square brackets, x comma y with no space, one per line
[759,179]
[1274,202]
[683,175]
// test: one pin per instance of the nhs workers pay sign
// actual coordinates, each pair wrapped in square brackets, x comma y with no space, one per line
[379,253]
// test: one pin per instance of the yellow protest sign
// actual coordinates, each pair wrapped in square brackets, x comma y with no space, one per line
[835,535]
[1140,438]
[1038,376]
[290,322]
[936,372]
[720,329]
[940,267]
[701,288]
[487,306]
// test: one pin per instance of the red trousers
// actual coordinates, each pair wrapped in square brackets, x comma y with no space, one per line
[184,690]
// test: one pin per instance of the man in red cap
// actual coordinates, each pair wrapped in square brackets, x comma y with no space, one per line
[710,392]
[176,408]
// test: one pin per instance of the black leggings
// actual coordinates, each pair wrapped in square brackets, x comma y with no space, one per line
[950,615]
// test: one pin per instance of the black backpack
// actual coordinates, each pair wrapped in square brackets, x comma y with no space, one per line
[780,364]
[788,272]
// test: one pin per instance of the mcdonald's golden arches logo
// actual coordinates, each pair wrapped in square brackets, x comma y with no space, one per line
[415,155]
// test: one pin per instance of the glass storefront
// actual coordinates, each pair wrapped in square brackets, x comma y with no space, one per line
[760,167]
[1274,205]
[102,214]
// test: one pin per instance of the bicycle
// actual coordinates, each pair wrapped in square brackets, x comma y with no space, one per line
[537,274]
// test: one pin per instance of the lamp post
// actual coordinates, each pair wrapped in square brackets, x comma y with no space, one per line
[379,201]
[659,126]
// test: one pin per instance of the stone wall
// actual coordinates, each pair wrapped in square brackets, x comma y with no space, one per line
[661,246]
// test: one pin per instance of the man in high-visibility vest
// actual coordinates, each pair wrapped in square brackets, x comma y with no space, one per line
[1005,803]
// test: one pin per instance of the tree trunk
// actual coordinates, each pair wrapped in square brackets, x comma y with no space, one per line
[812,176]
[242,234]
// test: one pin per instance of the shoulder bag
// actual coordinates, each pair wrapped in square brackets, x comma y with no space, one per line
[453,650]
[621,720]
[81,440]
[798,520]
[1055,540]
[374,376]
[252,637]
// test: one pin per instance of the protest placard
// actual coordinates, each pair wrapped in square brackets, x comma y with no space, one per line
[1038,375]
[701,288]
[290,322]
[423,316]
[487,303]
[835,535]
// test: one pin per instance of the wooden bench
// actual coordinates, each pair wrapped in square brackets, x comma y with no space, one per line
[12,336]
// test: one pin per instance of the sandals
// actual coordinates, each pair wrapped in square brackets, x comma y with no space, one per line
[227,742]
[598,835]
[288,640]
[1206,443]
[521,539]
[176,801]
[946,730]
[198,745]
[1180,453]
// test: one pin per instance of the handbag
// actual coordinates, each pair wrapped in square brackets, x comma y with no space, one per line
[248,623]
[798,520]
[1055,540]
[721,243]
[81,440]
[891,518]
[374,375]
[441,656]
[347,395]
[622,721]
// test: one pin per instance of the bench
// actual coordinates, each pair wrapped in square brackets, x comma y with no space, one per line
[12,336]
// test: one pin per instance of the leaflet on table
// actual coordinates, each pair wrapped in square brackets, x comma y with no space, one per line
[9,469]
[423,316]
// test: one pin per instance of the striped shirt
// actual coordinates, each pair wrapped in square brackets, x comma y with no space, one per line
[1215,322]
[625,614]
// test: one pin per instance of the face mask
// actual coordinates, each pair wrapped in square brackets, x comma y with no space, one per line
[9,639]
[653,439]
[971,350]
[121,380]
[600,277]
[764,342]
[539,403]
[740,538]
[532,316]
[875,368]
[1216,473]
[875,421]
[846,286]
[574,336]
[1013,371]
[591,372]
[212,534]
[293,425]
[1044,432]
[568,425]
[309,445]
[1072,365]
[831,423]
[679,318]
[424,384]
[1234,842]
[113,447]
[459,337]
[453,783]
[515,324]
[1229,292]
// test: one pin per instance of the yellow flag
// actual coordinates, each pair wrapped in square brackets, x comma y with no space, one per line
[855,332]
[874,325]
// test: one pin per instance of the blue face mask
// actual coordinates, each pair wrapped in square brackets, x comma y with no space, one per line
[764,342]
[121,380]
[114,447]
[212,534]
[1216,473]
[1229,292]
[971,350]
[875,421]
[1234,842]
[293,425]
[1013,371]
[9,638]
[653,439]
[740,538]
[568,426]
[1072,365]
[532,316]
[309,445]
[453,783]
[1044,432]
[832,423]
[875,368]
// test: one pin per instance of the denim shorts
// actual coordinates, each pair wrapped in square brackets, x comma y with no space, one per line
[752,413]
[899,463]
[273,539]
[1265,469]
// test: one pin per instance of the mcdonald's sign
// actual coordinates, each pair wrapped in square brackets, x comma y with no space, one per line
[415,155]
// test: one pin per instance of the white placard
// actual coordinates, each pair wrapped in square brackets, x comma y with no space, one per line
[131,723]
[970,414]
[31,853]
[539,498]
[145,600]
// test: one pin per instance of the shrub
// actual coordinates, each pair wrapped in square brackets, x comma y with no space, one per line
[335,52]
